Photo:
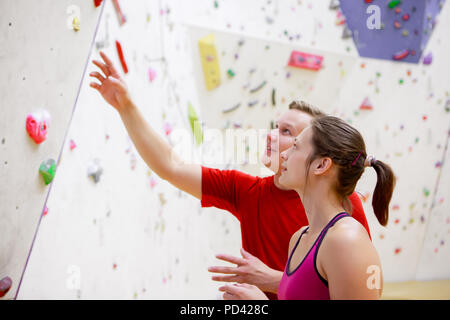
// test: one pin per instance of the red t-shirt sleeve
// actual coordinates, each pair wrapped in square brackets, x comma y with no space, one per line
[358,212]
[225,189]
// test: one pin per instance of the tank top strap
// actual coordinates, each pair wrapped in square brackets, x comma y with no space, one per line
[332,222]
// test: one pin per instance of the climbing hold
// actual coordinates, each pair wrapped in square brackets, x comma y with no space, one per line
[397,25]
[405,17]
[428,59]
[230,73]
[119,13]
[426,192]
[366,105]
[94,170]
[397,250]
[334,5]
[305,60]
[273,97]
[48,170]
[167,128]
[97,3]
[253,103]
[76,24]
[210,62]
[258,87]
[347,33]
[121,57]
[37,125]
[401,55]
[72,145]
[151,74]
[5,285]
[195,124]
[45,211]
[231,108]
[394,3]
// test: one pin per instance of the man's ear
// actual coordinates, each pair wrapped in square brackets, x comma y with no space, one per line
[322,166]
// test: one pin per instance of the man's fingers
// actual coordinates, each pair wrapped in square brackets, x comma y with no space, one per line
[102,67]
[246,254]
[108,62]
[95,85]
[230,258]
[226,278]
[98,76]
[225,270]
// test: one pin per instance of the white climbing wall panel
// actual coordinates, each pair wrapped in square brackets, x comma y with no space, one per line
[42,61]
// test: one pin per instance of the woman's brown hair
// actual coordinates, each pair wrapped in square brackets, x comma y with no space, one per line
[336,139]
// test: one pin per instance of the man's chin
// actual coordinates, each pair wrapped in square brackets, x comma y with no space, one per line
[269,164]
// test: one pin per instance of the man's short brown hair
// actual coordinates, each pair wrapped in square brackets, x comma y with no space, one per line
[306,108]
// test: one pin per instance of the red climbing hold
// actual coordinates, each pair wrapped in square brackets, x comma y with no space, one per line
[37,126]
[401,55]
[97,3]
[366,105]
[5,285]
[121,57]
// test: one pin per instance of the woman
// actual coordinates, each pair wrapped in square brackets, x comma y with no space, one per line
[333,257]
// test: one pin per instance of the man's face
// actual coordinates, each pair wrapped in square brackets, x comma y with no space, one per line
[288,126]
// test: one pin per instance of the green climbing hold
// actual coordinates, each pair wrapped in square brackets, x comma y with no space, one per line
[230,73]
[195,124]
[394,3]
[426,192]
[48,170]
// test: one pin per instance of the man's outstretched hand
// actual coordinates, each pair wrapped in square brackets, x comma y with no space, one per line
[112,87]
[249,269]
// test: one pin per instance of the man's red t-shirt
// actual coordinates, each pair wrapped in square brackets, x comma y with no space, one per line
[268,215]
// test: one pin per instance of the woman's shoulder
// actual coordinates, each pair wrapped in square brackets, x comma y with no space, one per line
[347,235]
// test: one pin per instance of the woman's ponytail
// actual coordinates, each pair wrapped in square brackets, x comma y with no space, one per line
[383,191]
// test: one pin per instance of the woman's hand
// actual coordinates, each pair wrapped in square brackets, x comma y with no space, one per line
[248,269]
[112,87]
[242,291]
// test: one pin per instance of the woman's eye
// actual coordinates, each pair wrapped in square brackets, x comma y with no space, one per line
[287,131]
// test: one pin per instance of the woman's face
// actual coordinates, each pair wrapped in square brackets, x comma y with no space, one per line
[294,161]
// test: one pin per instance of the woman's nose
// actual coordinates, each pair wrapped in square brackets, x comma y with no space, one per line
[284,155]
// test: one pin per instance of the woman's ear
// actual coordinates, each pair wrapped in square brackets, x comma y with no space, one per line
[322,166]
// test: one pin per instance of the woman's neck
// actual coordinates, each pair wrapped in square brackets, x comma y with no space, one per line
[321,205]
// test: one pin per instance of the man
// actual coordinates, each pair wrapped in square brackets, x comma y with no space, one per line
[269,214]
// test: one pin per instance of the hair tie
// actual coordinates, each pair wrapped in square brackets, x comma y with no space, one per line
[370,161]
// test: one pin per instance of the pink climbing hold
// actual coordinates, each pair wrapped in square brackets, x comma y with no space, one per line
[37,126]
[151,74]
[5,285]
[72,145]
[167,128]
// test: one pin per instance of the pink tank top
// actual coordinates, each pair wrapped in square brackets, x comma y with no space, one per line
[305,282]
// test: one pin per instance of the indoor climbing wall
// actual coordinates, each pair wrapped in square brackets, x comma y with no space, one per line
[402,109]
[258,80]
[110,219]
[42,60]
[107,226]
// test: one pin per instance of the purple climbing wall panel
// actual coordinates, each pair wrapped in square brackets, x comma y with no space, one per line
[405,27]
